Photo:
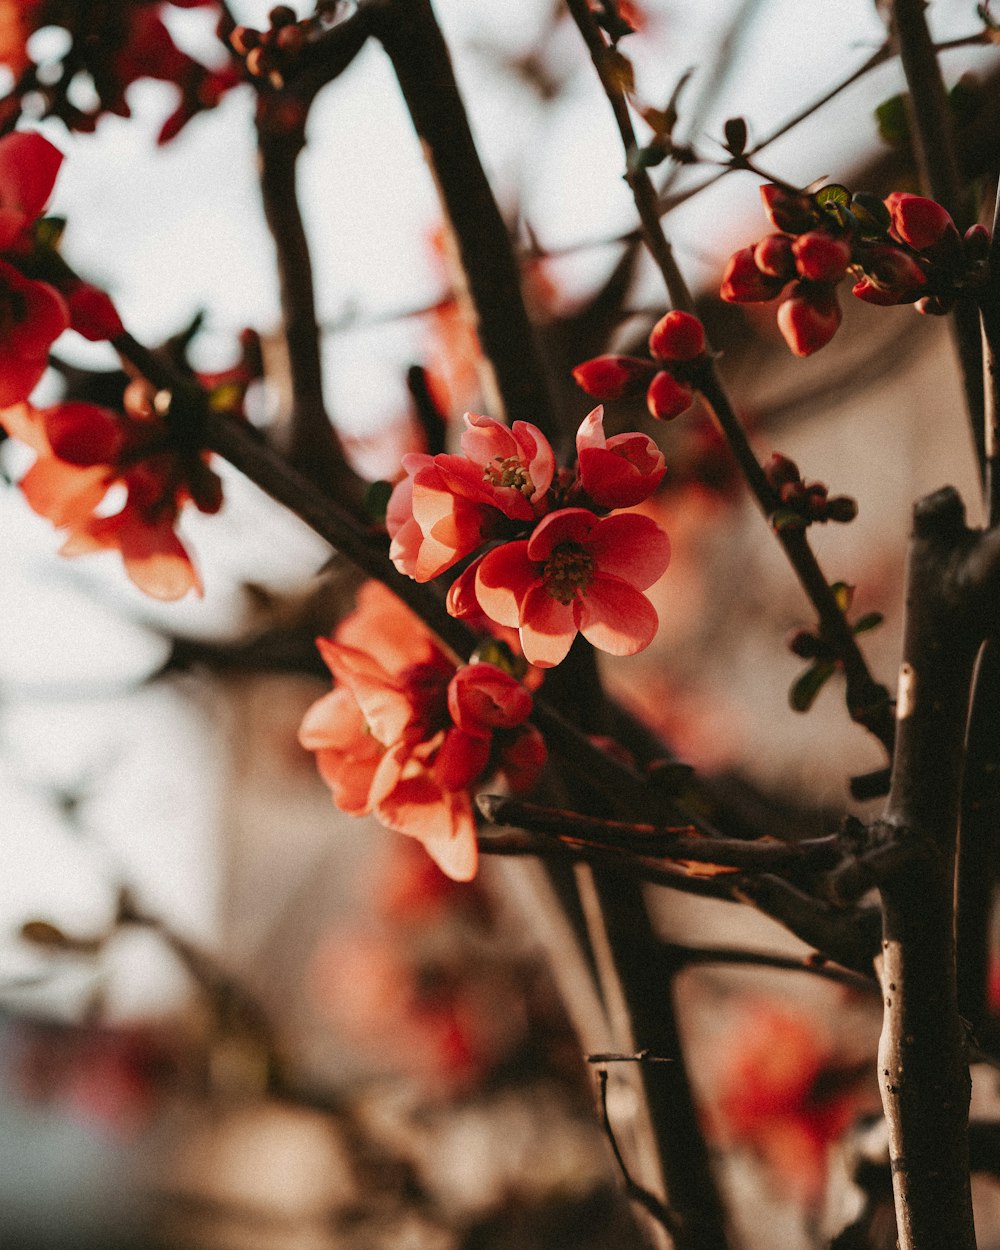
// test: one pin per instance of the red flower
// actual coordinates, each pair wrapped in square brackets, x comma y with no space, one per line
[785,1097]
[577,572]
[32,316]
[438,514]
[404,735]
[28,168]
[620,471]
[516,465]
[81,452]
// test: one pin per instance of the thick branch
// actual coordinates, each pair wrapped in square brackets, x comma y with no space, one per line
[412,39]
[923,1063]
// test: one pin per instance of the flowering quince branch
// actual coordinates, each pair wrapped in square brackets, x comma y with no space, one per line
[674,342]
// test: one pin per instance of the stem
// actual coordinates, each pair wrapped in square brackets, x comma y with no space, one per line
[937,164]
[492,294]
[867,700]
[923,1064]
[313,447]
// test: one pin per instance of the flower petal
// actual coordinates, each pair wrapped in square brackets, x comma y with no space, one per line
[503,578]
[617,618]
[548,628]
[630,546]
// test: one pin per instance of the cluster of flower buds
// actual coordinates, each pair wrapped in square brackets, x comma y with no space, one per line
[801,502]
[677,345]
[903,250]
[268,54]
[558,565]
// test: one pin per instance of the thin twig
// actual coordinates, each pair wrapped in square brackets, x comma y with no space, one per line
[648,1201]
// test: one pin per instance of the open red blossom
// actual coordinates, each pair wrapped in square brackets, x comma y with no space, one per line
[620,471]
[81,452]
[404,736]
[516,465]
[576,573]
[437,515]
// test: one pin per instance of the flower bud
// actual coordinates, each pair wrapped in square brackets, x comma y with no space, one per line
[780,470]
[892,276]
[809,319]
[743,282]
[612,377]
[244,38]
[977,242]
[282,15]
[677,336]
[773,256]
[920,222]
[820,257]
[667,398]
[788,210]
[841,508]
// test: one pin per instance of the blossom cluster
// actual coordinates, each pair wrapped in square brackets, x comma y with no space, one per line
[404,734]
[677,344]
[903,250]
[556,564]
[113,42]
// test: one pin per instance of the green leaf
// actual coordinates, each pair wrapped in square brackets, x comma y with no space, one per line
[871,212]
[833,194]
[377,500]
[787,519]
[893,121]
[870,620]
[805,688]
[49,232]
[843,592]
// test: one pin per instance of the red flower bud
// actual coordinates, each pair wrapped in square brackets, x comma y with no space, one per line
[892,276]
[677,336]
[743,282]
[977,242]
[91,312]
[809,319]
[788,210]
[920,222]
[612,377]
[773,256]
[820,257]
[780,470]
[667,398]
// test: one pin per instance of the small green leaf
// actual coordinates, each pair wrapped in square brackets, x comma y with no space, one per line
[832,194]
[870,212]
[49,232]
[893,121]
[805,688]
[870,620]
[843,593]
[787,519]
[377,500]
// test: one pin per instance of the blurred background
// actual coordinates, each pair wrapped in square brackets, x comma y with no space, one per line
[231,1016]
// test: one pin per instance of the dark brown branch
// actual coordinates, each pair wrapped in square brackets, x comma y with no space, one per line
[312,446]
[412,39]
[867,700]
[650,841]
[681,957]
[923,1060]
